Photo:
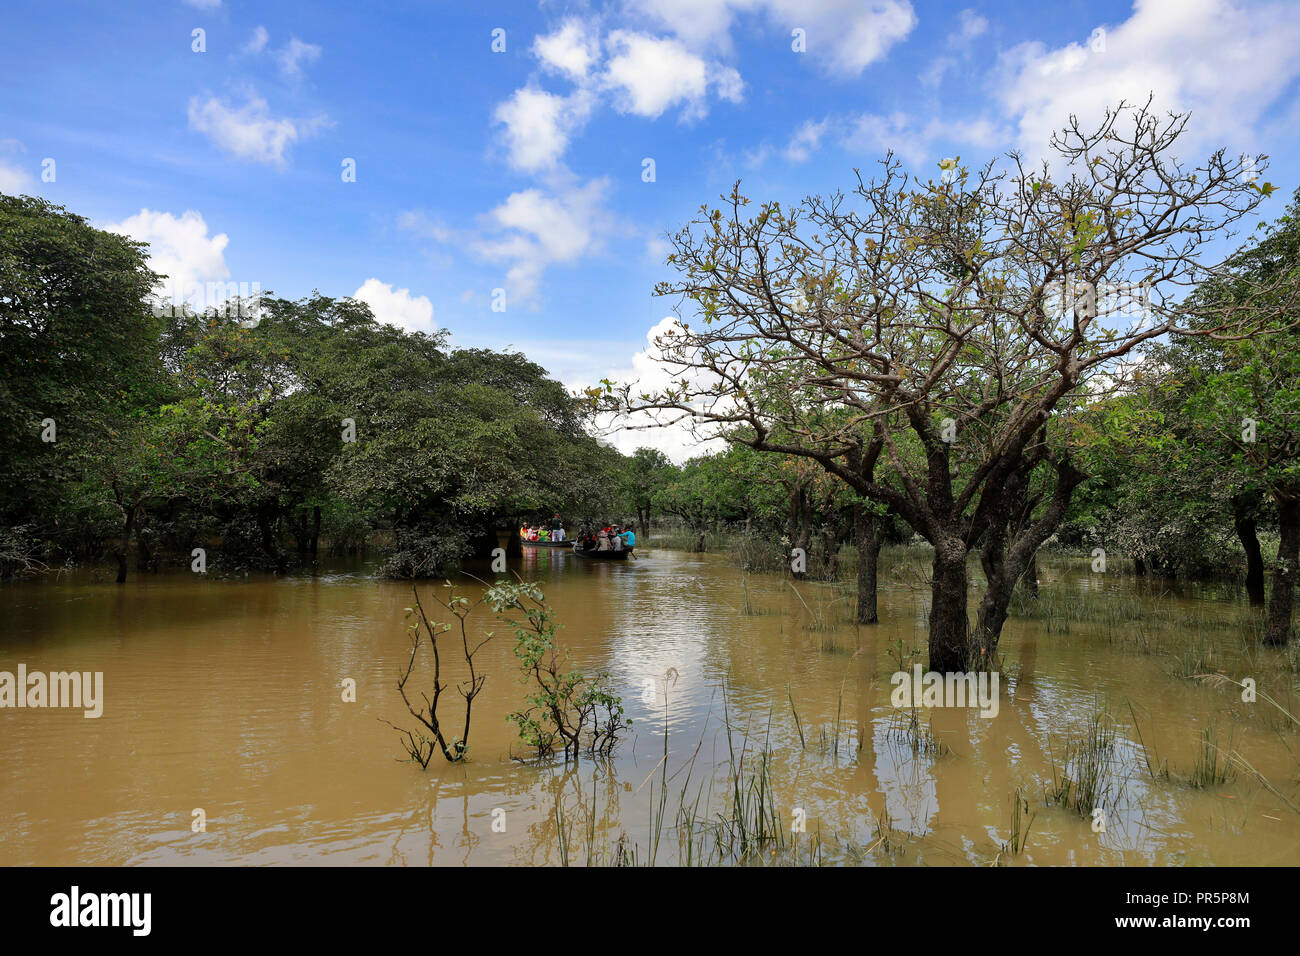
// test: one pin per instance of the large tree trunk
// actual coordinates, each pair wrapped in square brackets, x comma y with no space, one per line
[868,534]
[1278,629]
[643,521]
[1008,551]
[1243,521]
[949,626]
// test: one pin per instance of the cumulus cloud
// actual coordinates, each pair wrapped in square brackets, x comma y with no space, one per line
[181,249]
[536,228]
[650,373]
[538,125]
[1226,63]
[844,36]
[397,307]
[249,132]
[14,179]
[571,50]
[652,74]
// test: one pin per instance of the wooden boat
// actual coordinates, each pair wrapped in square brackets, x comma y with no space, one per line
[545,544]
[610,555]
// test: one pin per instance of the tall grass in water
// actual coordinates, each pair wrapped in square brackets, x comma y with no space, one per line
[1195,656]
[747,605]
[1022,818]
[921,741]
[1059,608]
[1213,766]
[1085,781]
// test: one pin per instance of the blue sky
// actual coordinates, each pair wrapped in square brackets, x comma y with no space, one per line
[522,170]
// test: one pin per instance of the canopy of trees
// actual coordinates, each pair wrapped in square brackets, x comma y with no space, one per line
[125,429]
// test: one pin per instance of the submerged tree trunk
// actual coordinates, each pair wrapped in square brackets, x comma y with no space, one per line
[949,625]
[1277,631]
[1243,521]
[868,534]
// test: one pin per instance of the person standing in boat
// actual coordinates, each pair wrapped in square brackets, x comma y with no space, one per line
[629,536]
[557,529]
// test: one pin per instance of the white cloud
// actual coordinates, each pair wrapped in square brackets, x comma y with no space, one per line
[13,178]
[397,307]
[917,144]
[652,74]
[249,132]
[969,25]
[179,248]
[571,50]
[257,42]
[294,55]
[538,125]
[1225,63]
[806,140]
[535,229]
[657,250]
[660,429]
[845,36]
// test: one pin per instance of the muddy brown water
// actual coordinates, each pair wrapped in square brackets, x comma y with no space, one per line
[225,696]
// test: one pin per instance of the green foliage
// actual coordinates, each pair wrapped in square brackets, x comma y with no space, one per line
[174,430]
[567,711]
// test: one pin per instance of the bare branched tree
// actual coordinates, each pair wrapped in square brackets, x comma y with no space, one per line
[419,745]
[928,342]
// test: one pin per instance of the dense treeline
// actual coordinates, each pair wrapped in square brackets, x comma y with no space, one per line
[133,430]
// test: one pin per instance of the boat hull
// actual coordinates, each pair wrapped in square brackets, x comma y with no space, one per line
[545,544]
[604,555]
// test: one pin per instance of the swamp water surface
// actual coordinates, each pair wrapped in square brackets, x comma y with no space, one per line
[226,695]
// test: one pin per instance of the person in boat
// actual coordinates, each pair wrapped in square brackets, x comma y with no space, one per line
[523,531]
[629,537]
[544,534]
[602,539]
[615,538]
